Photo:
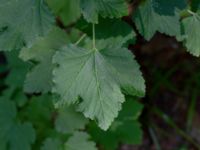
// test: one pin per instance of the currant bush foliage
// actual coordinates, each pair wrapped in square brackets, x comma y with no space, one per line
[78,64]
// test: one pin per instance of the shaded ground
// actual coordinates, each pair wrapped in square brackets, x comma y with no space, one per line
[173,82]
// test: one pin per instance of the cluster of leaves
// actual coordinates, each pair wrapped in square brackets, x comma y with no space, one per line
[32,122]
[85,66]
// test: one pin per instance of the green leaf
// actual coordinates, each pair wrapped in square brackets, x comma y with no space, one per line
[191,33]
[168,7]
[18,70]
[91,9]
[21,136]
[39,110]
[80,140]
[19,98]
[7,115]
[148,22]
[39,79]
[52,144]
[125,128]
[68,120]
[68,10]
[97,77]
[23,21]
[18,136]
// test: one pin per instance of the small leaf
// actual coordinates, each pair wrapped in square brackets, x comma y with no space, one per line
[52,144]
[191,33]
[83,142]
[68,120]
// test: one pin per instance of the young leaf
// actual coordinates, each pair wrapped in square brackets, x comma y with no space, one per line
[148,22]
[52,144]
[191,33]
[97,76]
[91,9]
[23,21]
[42,52]
[68,120]
[68,10]
[83,142]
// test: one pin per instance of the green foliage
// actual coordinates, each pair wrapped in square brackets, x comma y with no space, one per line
[80,68]
[22,22]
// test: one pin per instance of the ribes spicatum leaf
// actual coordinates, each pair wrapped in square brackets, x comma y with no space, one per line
[95,80]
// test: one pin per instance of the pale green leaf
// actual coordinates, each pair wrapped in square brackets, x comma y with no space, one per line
[91,9]
[148,22]
[191,26]
[23,21]
[97,77]
[80,140]
[52,144]
[68,120]
[39,79]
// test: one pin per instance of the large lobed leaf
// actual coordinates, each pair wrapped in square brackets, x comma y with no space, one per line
[97,77]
